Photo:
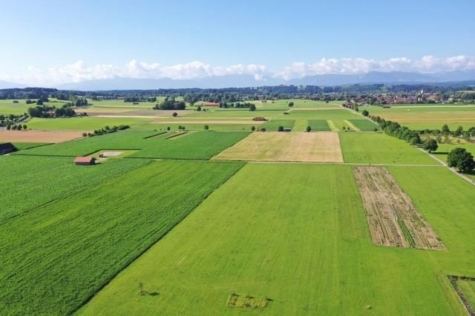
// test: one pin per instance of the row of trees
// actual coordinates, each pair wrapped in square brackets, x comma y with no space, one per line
[12,119]
[51,111]
[17,127]
[238,105]
[106,130]
[136,99]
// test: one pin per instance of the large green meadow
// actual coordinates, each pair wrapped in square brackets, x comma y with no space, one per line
[162,229]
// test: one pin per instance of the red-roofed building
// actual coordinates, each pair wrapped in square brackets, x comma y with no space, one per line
[84,161]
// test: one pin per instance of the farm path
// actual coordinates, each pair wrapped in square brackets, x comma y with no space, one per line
[472,182]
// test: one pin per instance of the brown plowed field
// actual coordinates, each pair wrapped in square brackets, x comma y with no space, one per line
[37,136]
[393,219]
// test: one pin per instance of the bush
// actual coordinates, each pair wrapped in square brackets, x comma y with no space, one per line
[280,129]
[206,127]
[309,129]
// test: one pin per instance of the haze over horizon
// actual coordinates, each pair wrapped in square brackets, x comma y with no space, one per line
[51,44]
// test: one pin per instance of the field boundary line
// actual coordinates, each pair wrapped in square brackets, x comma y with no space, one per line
[352,126]
[332,126]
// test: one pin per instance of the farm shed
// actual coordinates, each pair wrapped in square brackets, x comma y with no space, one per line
[287,129]
[6,148]
[211,104]
[84,161]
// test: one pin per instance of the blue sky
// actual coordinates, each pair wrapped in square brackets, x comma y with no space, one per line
[89,39]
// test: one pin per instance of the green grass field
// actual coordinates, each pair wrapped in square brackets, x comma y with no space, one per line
[310,254]
[55,257]
[319,125]
[468,290]
[364,125]
[8,107]
[380,148]
[82,123]
[28,182]
[23,146]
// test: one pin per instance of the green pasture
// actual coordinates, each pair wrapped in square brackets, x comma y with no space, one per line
[378,148]
[29,182]
[310,254]
[364,125]
[23,146]
[319,125]
[196,127]
[298,103]
[8,107]
[57,256]
[197,145]
[82,123]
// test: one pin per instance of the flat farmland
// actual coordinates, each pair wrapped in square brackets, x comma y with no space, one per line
[428,117]
[28,182]
[364,125]
[8,107]
[38,136]
[378,148]
[275,124]
[55,257]
[198,145]
[82,123]
[319,125]
[300,147]
[305,252]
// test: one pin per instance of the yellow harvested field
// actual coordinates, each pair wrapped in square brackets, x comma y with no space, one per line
[279,146]
[38,136]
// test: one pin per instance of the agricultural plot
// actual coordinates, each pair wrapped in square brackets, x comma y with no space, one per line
[302,147]
[274,125]
[305,252]
[37,136]
[82,123]
[428,117]
[56,257]
[380,148]
[8,107]
[319,125]
[28,182]
[23,146]
[363,125]
[202,145]
[392,218]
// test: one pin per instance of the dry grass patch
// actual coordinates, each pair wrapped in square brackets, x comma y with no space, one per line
[275,146]
[393,219]
[38,136]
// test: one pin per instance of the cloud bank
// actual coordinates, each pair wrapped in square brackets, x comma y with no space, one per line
[79,71]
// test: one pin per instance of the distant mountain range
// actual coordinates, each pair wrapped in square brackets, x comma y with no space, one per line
[9,85]
[240,81]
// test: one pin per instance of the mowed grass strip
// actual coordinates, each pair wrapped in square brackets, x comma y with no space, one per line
[378,148]
[28,181]
[288,147]
[199,145]
[55,258]
[23,146]
[364,125]
[319,125]
[295,234]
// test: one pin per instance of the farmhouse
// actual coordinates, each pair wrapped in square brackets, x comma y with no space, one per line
[84,161]
[7,148]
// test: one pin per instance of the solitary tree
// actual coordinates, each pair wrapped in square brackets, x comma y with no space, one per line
[206,127]
[25,127]
[365,113]
[168,128]
[252,107]
[445,129]
[263,129]
[430,145]
[461,159]
[280,129]
[309,129]
[253,128]
[175,114]
[198,108]
[291,104]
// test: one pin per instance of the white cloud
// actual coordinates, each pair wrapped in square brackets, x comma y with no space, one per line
[79,71]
